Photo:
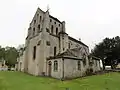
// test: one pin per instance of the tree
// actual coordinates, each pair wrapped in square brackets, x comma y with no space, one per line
[2,53]
[108,50]
[11,55]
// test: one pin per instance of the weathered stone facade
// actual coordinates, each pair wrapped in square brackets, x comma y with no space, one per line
[50,51]
[20,65]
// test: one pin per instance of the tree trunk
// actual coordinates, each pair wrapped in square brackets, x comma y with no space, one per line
[103,65]
[112,67]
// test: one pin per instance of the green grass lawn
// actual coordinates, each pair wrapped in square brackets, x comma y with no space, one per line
[21,81]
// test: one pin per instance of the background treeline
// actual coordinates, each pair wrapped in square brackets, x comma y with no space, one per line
[10,54]
[108,51]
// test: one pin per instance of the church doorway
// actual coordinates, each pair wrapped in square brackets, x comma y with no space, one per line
[49,68]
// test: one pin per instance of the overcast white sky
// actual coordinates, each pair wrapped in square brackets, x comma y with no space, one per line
[90,20]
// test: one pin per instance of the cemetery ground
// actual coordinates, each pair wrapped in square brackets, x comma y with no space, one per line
[21,81]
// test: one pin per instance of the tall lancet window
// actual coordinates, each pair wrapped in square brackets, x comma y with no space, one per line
[33,31]
[55,66]
[56,31]
[34,52]
[79,66]
[69,45]
[52,29]
[84,60]
[40,18]
[38,28]
[54,51]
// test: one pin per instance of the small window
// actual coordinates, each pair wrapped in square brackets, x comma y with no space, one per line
[52,29]
[54,51]
[55,66]
[48,43]
[56,31]
[34,52]
[40,18]
[50,20]
[47,30]
[55,22]
[38,28]
[69,45]
[79,67]
[33,31]
[49,63]
[34,21]
[39,42]
[59,25]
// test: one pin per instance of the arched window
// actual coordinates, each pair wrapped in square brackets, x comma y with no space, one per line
[49,63]
[79,66]
[84,60]
[69,45]
[34,52]
[52,29]
[40,18]
[38,28]
[59,25]
[33,31]
[54,51]
[37,15]
[50,20]
[55,66]
[56,31]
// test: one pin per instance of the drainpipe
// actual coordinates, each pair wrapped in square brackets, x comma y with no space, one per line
[63,70]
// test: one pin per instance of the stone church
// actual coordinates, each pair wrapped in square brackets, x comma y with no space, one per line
[50,51]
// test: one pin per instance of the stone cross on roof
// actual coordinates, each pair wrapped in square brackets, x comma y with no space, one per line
[48,7]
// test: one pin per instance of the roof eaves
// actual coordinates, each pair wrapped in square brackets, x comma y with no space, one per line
[55,19]
[71,38]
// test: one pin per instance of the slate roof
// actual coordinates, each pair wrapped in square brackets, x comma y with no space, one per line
[67,54]
[55,19]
